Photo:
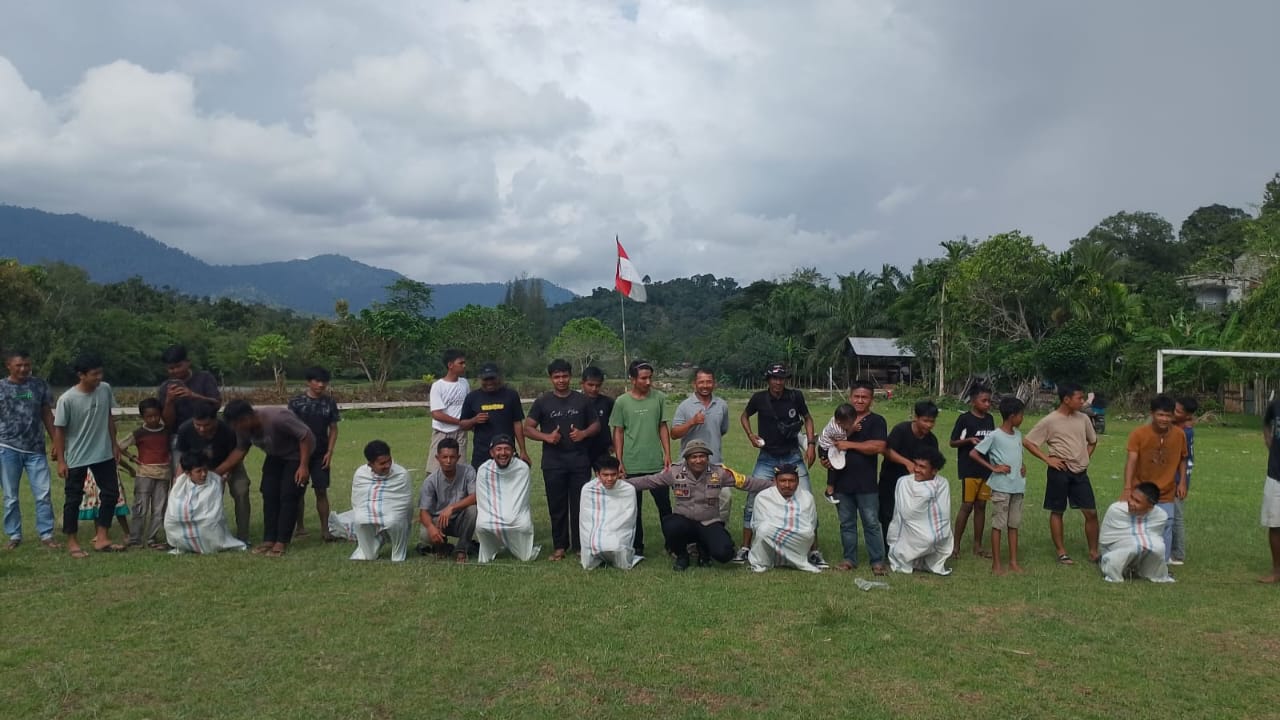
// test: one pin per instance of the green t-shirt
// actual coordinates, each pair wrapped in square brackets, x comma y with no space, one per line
[86,417]
[639,420]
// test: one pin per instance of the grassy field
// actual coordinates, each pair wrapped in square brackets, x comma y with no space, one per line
[312,635]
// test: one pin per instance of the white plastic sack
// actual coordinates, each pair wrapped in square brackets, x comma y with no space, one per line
[1133,542]
[381,510]
[607,525]
[502,511]
[920,533]
[194,521]
[784,530]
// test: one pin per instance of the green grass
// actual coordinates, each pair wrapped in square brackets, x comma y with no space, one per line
[146,635]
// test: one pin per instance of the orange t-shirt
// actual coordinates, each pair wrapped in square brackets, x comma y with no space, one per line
[1159,457]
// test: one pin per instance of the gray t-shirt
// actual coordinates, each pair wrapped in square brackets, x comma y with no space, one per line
[712,430]
[22,408]
[437,491]
[85,418]
[280,435]
[1001,448]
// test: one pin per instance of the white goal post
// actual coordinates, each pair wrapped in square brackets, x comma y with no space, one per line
[1202,353]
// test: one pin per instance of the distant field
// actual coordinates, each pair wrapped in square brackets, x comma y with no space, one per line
[312,635]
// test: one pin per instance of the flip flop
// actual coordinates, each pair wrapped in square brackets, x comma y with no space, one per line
[12,544]
[79,554]
[879,570]
[261,550]
[1065,559]
[274,553]
[112,548]
[51,544]
[159,546]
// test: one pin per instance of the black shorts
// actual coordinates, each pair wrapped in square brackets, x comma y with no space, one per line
[319,473]
[1067,487]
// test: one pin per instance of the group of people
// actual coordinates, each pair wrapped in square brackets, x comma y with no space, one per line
[599,456]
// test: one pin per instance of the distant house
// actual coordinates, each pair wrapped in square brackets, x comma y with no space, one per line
[881,360]
[1216,290]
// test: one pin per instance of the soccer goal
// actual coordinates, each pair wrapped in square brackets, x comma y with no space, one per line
[1160,355]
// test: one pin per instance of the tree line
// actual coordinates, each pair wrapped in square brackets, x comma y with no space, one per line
[1005,309]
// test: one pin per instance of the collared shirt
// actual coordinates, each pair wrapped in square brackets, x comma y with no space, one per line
[713,427]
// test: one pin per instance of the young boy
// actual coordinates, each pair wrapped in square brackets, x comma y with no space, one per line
[381,504]
[785,521]
[317,409]
[84,439]
[151,480]
[1131,540]
[1157,453]
[920,534]
[905,440]
[607,522]
[970,428]
[194,521]
[1000,453]
[447,397]
[1184,418]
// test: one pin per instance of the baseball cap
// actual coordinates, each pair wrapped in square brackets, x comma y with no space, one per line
[777,370]
[489,370]
[501,440]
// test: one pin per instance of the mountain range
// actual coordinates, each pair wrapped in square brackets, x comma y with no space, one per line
[111,252]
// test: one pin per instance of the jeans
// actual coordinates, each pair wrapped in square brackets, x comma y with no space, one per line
[1169,509]
[12,463]
[866,505]
[1178,545]
[765,465]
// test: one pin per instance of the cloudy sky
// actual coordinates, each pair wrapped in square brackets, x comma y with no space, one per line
[470,141]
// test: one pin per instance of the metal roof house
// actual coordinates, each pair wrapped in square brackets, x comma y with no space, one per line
[881,360]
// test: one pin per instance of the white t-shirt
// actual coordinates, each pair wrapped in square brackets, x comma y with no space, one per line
[449,397]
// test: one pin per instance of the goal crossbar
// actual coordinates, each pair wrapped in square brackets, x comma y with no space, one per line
[1203,353]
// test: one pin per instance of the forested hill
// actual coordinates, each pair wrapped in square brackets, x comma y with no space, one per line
[110,252]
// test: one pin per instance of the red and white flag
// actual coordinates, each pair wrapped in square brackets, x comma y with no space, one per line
[628,279]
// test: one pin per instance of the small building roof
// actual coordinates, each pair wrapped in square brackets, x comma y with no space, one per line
[879,347]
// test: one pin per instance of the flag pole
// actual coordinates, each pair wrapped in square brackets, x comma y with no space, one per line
[622,303]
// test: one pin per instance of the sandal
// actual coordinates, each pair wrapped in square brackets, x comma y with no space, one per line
[110,548]
[12,544]
[879,570]
[79,554]
[557,556]
[159,546]
[263,549]
[1065,559]
[846,566]
[274,553]
[51,544]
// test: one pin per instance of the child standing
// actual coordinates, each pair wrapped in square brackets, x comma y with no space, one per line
[151,481]
[1184,418]
[970,428]
[1001,454]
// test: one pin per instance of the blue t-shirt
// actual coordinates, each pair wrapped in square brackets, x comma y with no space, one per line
[1002,448]
[22,407]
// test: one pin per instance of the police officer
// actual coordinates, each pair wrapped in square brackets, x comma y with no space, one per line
[695,517]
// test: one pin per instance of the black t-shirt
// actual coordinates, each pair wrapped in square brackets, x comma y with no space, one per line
[566,413]
[781,420]
[1272,421]
[859,474]
[505,410]
[904,442]
[969,425]
[214,450]
[317,414]
[601,442]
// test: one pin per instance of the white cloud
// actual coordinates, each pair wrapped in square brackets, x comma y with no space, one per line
[460,141]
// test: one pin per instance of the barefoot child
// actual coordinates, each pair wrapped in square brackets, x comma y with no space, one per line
[1001,454]
[970,428]
[151,481]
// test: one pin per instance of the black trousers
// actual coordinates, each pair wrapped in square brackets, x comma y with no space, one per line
[661,498]
[280,495]
[713,540]
[104,474]
[564,497]
[888,500]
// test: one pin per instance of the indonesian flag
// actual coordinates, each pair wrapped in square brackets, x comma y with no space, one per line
[628,278]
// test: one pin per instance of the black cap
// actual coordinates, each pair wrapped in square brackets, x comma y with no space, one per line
[489,370]
[501,440]
[777,370]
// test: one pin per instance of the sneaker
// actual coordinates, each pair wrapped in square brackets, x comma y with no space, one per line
[681,564]
[816,560]
[704,561]
[1175,562]
[740,557]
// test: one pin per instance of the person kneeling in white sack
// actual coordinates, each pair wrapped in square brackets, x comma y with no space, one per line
[785,521]
[607,519]
[920,533]
[1132,537]
[193,520]
[502,504]
[381,505]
